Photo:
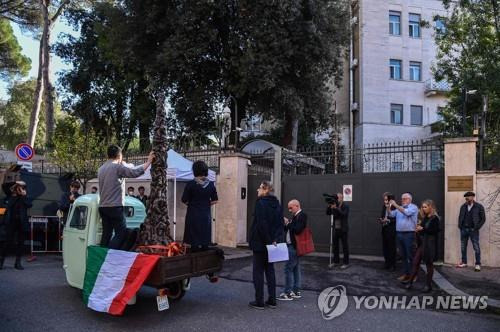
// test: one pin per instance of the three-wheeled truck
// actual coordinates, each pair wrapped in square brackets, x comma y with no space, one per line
[83,228]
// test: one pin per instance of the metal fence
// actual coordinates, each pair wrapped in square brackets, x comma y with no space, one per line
[209,156]
[410,156]
[489,158]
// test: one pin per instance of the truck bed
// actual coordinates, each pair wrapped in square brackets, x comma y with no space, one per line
[171,269]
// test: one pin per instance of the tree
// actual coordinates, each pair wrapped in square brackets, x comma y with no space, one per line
[78,151]
[113,94]
[15,116]
[12,61]
[23,12]
[469,58]
[156,226]
[50,11]
[274,57]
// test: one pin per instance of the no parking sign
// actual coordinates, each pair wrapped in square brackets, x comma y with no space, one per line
[24,152]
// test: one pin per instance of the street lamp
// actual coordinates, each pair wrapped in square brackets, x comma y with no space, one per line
[464,108]
[227,115]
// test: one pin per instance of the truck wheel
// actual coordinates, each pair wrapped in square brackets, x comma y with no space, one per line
[175,291]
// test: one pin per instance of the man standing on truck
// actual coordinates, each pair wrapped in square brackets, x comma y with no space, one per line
[112,195]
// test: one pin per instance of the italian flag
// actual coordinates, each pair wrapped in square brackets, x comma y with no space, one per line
[113,277]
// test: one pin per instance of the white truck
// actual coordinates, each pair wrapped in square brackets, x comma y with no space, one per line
[83,228]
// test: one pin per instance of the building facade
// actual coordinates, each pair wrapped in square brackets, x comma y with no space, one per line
[388,92]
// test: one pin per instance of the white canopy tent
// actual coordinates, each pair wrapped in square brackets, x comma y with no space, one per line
[178,169]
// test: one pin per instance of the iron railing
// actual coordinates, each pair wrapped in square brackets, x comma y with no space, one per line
[410,156]
[209,156]
[490,158]
[440,86]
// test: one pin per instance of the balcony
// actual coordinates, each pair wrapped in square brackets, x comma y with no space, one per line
[433,87]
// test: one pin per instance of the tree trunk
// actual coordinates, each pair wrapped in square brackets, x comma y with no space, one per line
[156,227]
[49,96]
[37,100]
[291,131]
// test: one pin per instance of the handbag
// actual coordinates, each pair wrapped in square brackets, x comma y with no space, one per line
[305,243]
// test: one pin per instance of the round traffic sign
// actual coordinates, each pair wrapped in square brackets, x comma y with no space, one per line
[24,151]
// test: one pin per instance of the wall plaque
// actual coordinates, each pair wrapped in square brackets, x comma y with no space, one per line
[460,183]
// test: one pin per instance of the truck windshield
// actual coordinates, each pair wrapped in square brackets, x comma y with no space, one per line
[79,217]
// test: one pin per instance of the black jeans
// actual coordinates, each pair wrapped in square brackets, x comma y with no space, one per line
[339,235]
[14,233]
[260,267]
[389,244]
[113,220]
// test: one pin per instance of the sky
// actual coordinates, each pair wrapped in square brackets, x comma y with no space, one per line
[30,48]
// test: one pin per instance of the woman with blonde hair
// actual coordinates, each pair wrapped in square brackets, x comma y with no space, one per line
[427,231]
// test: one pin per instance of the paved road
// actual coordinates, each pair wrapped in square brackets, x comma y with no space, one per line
[38,299]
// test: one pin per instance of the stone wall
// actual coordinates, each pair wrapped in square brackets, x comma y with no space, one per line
[488,194]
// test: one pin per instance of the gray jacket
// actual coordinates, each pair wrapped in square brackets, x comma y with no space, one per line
[111,183]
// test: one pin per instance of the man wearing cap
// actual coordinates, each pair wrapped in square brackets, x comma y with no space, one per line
[470,220]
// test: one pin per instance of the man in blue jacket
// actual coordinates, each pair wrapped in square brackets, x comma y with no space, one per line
[266,229]
[406,216]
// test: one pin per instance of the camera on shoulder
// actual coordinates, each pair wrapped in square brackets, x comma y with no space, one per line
[331,199]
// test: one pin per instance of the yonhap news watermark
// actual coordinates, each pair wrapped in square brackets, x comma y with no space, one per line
[333,302]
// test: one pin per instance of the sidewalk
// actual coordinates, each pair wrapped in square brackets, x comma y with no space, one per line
[365,277]
[466,281]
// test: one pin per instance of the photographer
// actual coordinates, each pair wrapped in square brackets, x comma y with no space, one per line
[340,212]
[406,221]
[69,198]
[388,233]
[15,224]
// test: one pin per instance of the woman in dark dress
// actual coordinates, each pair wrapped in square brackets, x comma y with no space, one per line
[388,234]
[427,231]
[15,223]
[199,195]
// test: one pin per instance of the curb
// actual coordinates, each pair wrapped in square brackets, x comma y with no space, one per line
[446,286]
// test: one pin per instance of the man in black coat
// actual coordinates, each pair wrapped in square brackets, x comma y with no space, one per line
[292,268]
[341,228]
[266,229]
[472,217]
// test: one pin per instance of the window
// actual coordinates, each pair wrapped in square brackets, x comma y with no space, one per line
[128,211]
[395,68]
[417,166]
[395,23]
[414,27]
[440,26]
[79,217]
[397,113]
[253,123]
[415,70]
[397,166]
[416,115]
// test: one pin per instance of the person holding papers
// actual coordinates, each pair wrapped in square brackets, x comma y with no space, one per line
[266,229]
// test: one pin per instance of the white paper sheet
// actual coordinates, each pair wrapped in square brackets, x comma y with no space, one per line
[277,253]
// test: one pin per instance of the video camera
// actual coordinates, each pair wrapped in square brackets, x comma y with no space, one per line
[331,199]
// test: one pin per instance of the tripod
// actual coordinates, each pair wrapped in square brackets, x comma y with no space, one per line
[330,265]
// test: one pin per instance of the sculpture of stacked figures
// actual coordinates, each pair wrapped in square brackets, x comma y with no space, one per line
[155,229]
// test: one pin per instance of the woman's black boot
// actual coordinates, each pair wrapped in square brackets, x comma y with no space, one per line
[18,265]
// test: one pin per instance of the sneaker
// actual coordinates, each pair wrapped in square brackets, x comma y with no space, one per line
[256,305]
[404,277]
[295,295]
[284,297]
[344,266]
[461,265]
[477,268]
[271,303]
